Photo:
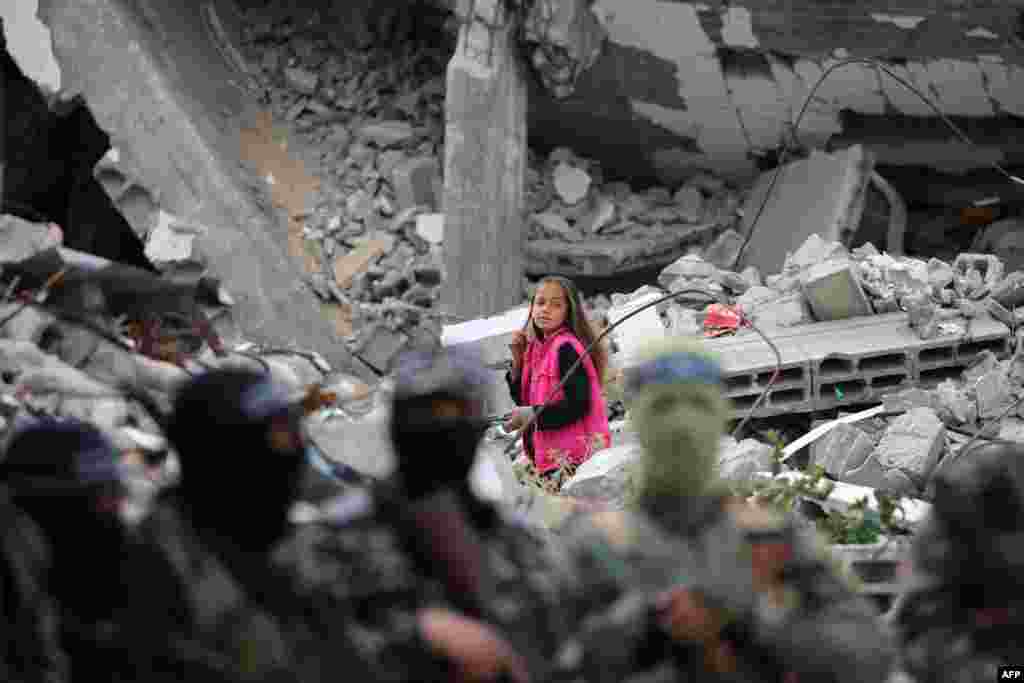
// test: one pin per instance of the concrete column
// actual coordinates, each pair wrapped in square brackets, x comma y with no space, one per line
[484,171]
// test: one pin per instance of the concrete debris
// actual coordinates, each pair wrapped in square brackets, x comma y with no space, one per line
[605,478]
[740,461]
[22,239]
[914,444]
[843,449]
[834,292]
[571,184]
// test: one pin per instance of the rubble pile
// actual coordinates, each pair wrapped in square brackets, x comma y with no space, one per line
[823,281]
[568,201]
[98,341]
[376,230]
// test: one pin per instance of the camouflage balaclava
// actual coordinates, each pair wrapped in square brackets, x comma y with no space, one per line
[679,412]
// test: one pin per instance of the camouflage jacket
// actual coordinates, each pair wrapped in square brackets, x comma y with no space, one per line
[364,557]
[31,639]
[818,630]
[945,643]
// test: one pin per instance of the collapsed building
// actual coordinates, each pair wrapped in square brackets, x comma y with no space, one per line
[354,178]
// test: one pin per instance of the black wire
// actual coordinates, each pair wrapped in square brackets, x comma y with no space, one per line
[795,129]
[586,352]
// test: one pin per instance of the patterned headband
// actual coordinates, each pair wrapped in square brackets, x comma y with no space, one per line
[682,367]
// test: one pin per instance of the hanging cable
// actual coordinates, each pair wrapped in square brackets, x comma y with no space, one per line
[795,131]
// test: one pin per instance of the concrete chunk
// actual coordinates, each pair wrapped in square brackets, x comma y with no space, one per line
[571,184]
[638,329]
[994,393]
[844,448]
[740,461]
[605,476]
[834,292]
[823,194]
[913,444]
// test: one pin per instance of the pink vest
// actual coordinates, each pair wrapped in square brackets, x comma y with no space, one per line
[578,441]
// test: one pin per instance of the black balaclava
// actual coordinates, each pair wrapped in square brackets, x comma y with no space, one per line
[436,452]
[235,483]
[978,515]
[65,475]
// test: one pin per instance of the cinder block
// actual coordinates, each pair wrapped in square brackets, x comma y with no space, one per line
[834,292]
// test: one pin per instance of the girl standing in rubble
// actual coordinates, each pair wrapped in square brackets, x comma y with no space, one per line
[574,422]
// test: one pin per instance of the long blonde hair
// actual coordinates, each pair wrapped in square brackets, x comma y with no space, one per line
[578,322]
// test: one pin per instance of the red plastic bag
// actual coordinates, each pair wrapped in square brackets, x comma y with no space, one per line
[721,319]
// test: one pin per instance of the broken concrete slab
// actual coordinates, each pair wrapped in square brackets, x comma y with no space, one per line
[955,403]
[823,194]
[844,448]
[556,226]
[914,444]
[833,291]
[812,251]
[36,372]
[610,257]
[724,250]
[172,108]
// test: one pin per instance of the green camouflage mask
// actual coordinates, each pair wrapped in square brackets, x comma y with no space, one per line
[679,412]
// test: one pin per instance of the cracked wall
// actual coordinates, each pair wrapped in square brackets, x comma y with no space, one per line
[701,85]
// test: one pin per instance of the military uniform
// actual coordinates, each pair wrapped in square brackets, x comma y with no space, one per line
[961,614]
[770,606]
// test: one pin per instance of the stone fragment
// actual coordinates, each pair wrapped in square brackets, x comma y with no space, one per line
[833,291]
[20,239]
[913,444]
[31,370]
[752,275]
[430,226]
[571,184]
[605,476]
[387,133]
[415,182]
[301,80]
[724,250]
[734,282]
[844,448]
[690,266]
[742,460]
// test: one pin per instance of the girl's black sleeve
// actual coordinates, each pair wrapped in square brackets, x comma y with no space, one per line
[576,403]
[514,378]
